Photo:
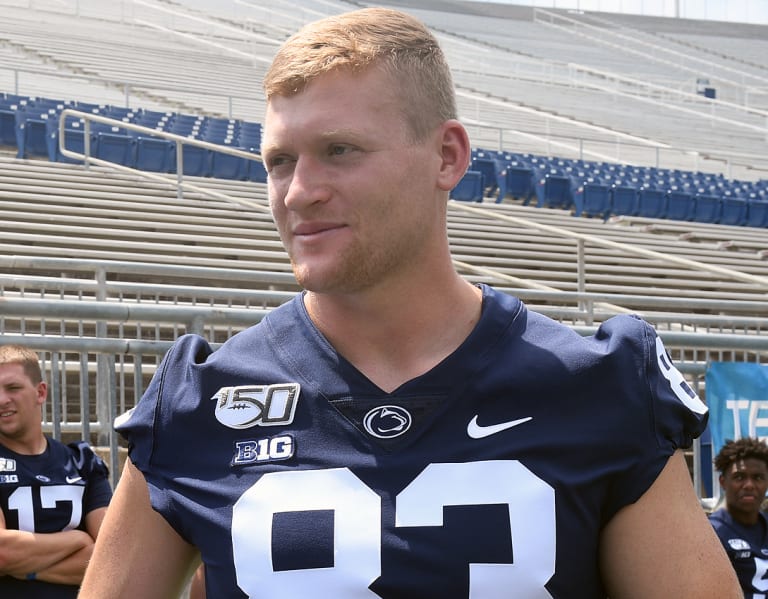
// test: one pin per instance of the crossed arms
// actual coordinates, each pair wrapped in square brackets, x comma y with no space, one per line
[58,557]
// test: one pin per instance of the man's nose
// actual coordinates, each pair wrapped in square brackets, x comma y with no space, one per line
[308,184]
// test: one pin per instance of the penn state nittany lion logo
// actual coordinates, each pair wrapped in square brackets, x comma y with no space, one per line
[386,422]
[245,406]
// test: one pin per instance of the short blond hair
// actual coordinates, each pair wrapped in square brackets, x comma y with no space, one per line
[398,43]
[18,354]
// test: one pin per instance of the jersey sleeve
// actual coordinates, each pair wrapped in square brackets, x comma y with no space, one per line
[98,491]
[154,411]
[679,414]
[658,394]
[172,395]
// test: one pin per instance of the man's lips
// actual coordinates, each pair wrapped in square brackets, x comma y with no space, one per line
[310,229]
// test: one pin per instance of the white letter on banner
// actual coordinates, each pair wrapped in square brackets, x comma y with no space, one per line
[756,422]
[736,405]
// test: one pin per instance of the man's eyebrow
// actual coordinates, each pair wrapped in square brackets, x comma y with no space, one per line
[321,137]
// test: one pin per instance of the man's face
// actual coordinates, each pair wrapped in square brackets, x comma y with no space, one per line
[353,198]
[745,484]
[20,401]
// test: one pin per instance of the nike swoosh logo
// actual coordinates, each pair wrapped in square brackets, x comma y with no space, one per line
[476,431]
[73,479]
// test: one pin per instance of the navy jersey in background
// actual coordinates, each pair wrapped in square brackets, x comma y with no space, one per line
[47,493]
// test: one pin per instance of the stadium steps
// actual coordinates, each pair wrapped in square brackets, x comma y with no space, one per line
[53,209]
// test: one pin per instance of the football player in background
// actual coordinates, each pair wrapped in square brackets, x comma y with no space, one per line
[396,431]
[741,524]
[53,496]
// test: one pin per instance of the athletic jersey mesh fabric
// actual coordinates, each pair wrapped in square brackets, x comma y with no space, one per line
[489,476]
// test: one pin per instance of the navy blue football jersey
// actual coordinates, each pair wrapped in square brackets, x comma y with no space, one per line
[489,476]
[47,493]
[747,548]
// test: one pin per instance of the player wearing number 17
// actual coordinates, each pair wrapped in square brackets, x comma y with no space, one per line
[53,496]
[396,431]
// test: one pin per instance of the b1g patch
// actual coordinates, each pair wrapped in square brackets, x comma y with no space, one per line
[256,451]
[245,406]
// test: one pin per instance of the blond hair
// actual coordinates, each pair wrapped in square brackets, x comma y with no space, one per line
[18,354]
[373,37]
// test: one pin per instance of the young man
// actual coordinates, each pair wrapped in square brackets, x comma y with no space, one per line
[53,496]
[396,431]
[741,525]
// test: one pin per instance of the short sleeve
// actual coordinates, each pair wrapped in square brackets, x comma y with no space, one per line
[140,424]
[98,491]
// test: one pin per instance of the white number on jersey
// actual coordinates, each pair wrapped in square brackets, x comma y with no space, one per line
[21,501]
[357,536]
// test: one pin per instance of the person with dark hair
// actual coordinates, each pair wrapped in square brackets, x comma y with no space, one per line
[53,496]
[395,430]
[741,525]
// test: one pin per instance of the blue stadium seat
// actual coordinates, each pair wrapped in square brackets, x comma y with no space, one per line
[74,140]
[120,113]
[8,124]
[249,135]
[155,154]
[31,131]
[558,191]
[220,130]
[652,201]
[757,211]
[491,170]
[91,107]
[593,198]
[119,148]
[152,119]
[624,197]
[681,204]
[519,182]
[256,171]
[469,188]
[708,205]
[197,161]
[733,210]
[227,166]
[184,124]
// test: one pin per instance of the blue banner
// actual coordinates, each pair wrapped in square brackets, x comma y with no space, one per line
[737,396]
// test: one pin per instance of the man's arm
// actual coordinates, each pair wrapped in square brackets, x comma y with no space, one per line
[23,552]
[663,545]
[70,570]
[137,553]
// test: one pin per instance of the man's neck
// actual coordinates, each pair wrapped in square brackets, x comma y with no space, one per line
[33,445]
[745,518]
[394,338]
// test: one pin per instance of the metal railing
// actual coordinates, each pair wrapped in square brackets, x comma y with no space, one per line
[107,376]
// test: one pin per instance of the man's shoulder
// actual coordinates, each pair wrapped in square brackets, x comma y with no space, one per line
[720,517]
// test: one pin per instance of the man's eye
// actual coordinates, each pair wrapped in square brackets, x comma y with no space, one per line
[339,150]
[275,161]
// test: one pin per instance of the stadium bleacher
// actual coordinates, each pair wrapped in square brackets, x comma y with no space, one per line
[611,189]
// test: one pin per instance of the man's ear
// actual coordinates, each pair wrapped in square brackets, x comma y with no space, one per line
[42,392]
[722,479]
[455,153]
